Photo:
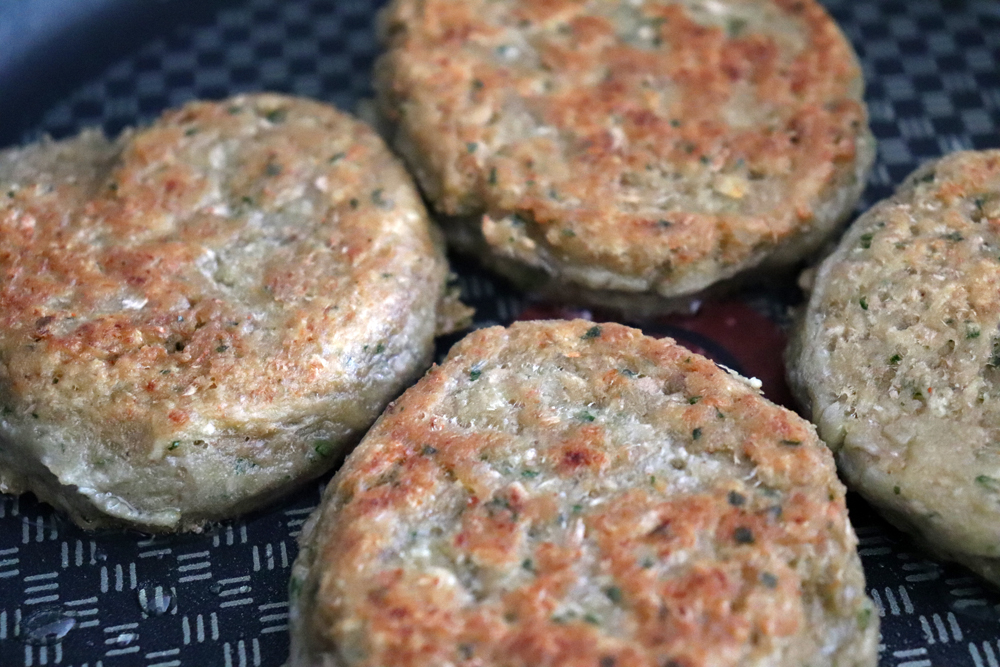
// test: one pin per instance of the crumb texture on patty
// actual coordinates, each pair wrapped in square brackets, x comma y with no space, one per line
[199,315]
[639,147]
[564,493]
[898,356]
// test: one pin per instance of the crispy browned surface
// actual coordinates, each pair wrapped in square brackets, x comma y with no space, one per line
[898,355]
[642,147]
[199,315]
[559,493]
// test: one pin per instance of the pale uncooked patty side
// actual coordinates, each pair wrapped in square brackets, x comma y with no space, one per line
[898,356]
[199,315]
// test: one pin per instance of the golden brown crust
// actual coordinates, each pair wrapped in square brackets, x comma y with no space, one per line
[197,316]
[638,147]
[898,354]
[562,493]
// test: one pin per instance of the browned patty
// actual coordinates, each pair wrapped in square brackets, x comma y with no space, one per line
[563,493]
[614,149]
[898,357]
[199,315]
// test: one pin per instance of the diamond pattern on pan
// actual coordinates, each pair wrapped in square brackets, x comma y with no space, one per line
[220,598]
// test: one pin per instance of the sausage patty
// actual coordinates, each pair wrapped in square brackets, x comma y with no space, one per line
[564,493]
[199,315]
[898,357]
[627,152]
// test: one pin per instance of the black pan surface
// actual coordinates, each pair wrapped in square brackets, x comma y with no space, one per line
[68,597]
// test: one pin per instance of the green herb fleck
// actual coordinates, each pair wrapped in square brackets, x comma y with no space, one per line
[493,176]
[664,223]
[323,447]
[475,373]
[592,332]
[337,157]
[674,122]
[953,236]
[35,415]
[896,490]
[174,445]
[585,415]
[791,443]
[895,359]
[247,200]
[272,169]
[768,580]
[221,348]
[736,499]
[866,240]
[590,618]
[471,146]
[568,233]
[647,562]
[696,434]
[191,131]
[243,466]
[428,450]
[276,115]
[528,565]
[864,617]
[864,303]
[380,348]
[477,84]
[652,480]
[971,331]
[354,202]
[530,474]
[735,26]
[628,373]
[991,484]
[294,587]
[743,535]
[693,399]
[614,594]
[233,110]
[577,509]
[378,198]
[995,360]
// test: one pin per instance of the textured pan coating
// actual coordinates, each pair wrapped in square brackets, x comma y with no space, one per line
[199,315]
[898,356]
[563,493]
[625,151]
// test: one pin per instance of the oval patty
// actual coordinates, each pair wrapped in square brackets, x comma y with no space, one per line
[628,149]
[898,355]
[564,493]
[198,316]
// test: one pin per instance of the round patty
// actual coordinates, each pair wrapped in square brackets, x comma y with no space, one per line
[898,357]
[627,152]
[200,315]
[564,493]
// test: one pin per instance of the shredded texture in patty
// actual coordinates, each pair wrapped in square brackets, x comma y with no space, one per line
[898,355]
[628,146]
[564,493]
[200,314]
